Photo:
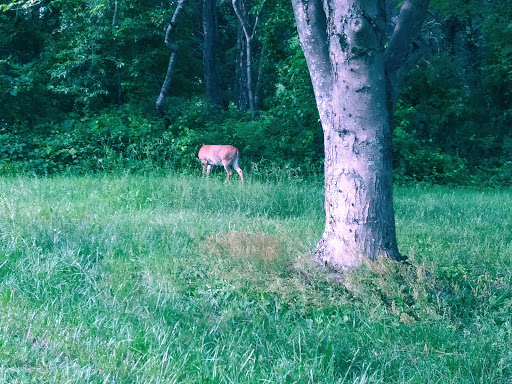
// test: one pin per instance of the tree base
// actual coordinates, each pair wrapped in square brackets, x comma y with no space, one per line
[333,253]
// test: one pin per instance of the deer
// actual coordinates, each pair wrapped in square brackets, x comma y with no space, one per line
[225,155]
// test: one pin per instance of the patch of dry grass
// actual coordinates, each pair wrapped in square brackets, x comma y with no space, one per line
[255,247]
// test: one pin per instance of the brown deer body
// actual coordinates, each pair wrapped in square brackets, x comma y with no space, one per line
[225,155]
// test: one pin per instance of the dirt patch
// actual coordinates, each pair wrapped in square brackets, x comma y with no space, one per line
[245,245]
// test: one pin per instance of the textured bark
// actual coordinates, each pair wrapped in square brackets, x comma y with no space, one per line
[343,42]
[209,32]
[166,86]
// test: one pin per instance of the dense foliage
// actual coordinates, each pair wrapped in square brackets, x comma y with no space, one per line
[78,83]
[454,119]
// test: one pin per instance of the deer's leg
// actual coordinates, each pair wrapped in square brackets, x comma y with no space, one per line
[208,170]
[228,172]
[238,170]
[240,173]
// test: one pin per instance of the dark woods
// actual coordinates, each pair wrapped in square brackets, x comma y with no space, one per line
[79,82]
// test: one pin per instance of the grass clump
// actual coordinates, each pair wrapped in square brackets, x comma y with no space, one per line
[162,279]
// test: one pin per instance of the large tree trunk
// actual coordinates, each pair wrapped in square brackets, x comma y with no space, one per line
[358,189]
[343,42]
[209,32]
[358,154]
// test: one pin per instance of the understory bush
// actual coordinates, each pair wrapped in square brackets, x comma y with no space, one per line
[131,139]
[276,145]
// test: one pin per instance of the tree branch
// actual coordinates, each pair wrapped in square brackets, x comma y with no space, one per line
[170,27]
[401,54]
[310,16]
[243,22]
[241,19]
[257,19]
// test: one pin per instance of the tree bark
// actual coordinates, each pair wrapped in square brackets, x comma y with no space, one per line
[209,33]
[241,74]
[343,43]
[164,91]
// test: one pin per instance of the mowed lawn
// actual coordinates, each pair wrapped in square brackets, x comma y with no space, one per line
[177,279]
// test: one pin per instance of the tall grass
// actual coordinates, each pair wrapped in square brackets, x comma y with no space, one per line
[176,279]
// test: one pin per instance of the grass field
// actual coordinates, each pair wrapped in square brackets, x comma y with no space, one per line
[152,279]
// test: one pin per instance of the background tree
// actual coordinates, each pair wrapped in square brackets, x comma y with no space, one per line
[174,49]
[209,34]
[249,31]
[356,82]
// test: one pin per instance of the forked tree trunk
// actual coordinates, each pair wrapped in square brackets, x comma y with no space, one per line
[343,42]
[239,8]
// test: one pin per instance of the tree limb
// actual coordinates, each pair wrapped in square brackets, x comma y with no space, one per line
[248,51]
[401,54]
[255,27]
[170,27]
[241,19]
[243,22]
[310,16]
